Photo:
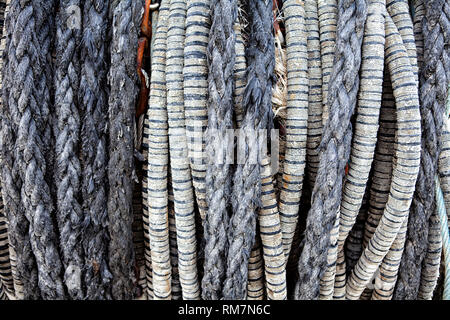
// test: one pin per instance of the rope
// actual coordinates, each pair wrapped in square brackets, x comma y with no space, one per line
[155,185]
[405,169]
[334,151]
[123,93]
[246,193]
[6,274]
[432,94]
[365,132]
[92,96]
[221,60]
[67,176]
[28,93]
[444,228]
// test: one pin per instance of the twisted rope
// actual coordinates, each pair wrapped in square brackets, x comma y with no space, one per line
[246,193]
[124,93]
[6,268]
[67,176]
[433,88]
[334,150]
[221,60]
[92,96]
[28,95]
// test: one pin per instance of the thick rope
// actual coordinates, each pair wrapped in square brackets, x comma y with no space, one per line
[67,126]
[6,268]
[444,228]
[258,115]
[335,150]
[365,133]
[158,267]
[123,94]
[179,163]
[29,93]
[221,60]
[92,97]
[195,73]
[296,120]
[433,88]
[405,169]
[315,95]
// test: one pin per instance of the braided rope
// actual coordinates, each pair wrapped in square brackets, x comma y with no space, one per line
[322,221]
[29,89]
[92,97]
[221,60]
[6,268]
[433,86]
[246,193]
[123,94]
[67,176]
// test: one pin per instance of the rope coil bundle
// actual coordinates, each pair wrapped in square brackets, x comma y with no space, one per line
[137,149]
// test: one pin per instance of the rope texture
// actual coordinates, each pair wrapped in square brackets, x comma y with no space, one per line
[246,193]
[221,60]
[433,88]
[334,148]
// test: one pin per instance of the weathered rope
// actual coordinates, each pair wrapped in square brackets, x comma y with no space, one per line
[69,213]
[156,135]
[255,284]
[246,193]
[296,120]
[6,265]
[221,60]
[328,15]
[315,96]
[29,99]
[92,97]
[126,21]
[321,226]
[405,169]
[179,163]
[433,87]
[365,132]
[444,228]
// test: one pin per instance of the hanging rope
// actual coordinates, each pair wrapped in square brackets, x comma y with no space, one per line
[92,96]
[67,176]
[246,192]
[433,94]
[124,93]
[335,148]
[221,60]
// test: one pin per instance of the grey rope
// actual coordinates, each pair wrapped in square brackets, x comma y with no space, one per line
[334,147]
[433,90]
[246,193]
[221,60]
[67,134]
[29,83]
[92,97]
[122,99]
